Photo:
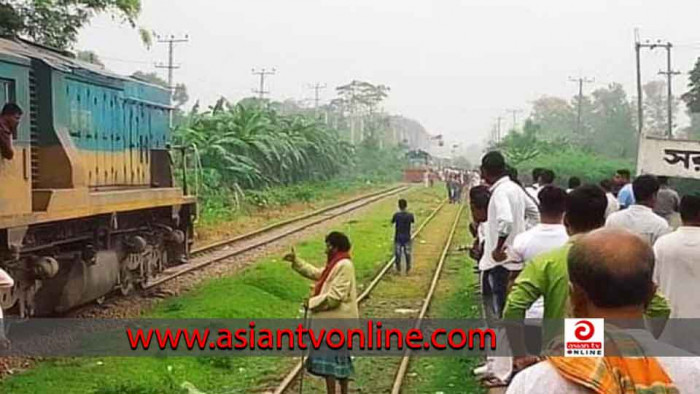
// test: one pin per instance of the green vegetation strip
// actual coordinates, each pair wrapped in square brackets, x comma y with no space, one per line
[397,296]
[455,298]
[268,289]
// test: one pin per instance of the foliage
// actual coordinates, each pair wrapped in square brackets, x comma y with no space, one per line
[589,167]
[656,108]
[56,22]
[692,101]
[89,57]
[253,148]
[607,123]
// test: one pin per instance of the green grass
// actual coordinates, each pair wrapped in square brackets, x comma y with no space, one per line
[220,205]
[268,289]
[454,299]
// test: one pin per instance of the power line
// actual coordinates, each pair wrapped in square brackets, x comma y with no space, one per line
[669,75]
[317,87]
[171,41]
[262,73]
[580,81]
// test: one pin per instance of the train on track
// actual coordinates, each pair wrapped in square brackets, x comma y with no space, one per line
[88,204]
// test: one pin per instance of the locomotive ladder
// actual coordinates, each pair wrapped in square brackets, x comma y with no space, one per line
[34,128]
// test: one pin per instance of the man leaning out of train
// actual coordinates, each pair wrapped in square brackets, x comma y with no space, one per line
[10,117]
[334,297]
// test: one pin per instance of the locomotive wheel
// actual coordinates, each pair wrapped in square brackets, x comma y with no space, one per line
[127,282]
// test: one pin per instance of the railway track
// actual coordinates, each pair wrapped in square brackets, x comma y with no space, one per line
[212,253]
[291,377]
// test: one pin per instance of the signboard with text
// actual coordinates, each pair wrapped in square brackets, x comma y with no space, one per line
[672,158]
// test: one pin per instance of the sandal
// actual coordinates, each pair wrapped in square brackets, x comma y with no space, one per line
[493,382]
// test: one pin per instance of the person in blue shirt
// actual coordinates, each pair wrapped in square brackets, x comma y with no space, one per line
[402,220]
[626,195]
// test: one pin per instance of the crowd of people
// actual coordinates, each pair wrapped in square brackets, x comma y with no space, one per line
[622,248]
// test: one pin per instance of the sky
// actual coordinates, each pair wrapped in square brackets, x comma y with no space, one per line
[453,65]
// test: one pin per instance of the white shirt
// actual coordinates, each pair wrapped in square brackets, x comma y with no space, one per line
[509,207]
[534,191]
[640,220]
[677,271]
[544,378]
[6,283]
[613,204]
[533,242]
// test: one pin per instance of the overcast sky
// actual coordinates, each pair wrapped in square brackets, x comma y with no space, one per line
[452,65]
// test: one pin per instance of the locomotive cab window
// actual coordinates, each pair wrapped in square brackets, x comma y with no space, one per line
[7,95]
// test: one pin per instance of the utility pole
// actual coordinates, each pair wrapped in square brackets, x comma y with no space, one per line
[515,113]
[580,81]
[261,91]
[317,87]
[669,74]
[498,129]
[171,41]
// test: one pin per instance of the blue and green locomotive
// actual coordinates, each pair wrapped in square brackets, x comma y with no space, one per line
[88,203]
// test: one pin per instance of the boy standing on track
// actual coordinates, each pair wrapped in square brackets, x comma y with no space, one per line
[402,220]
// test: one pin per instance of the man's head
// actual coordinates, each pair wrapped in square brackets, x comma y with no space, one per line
[536,172]
[547,177]
[645,188]
[574,182]
[479,202]
[606,185]
[690,210]
[610,273]
[622,177]
[403,204]
[585,209]
[11,114]
[493,166]
[552,204]
[337,242]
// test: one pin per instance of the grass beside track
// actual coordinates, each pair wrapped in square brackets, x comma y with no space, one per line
[277,204]
[268,289]
[455,298]
[397,296]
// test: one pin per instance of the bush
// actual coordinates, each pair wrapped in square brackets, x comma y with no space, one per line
[591,168]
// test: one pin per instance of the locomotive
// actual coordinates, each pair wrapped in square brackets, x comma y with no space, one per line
[88,204]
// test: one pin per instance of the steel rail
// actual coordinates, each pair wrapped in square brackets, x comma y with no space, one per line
[208,259]
[289,378]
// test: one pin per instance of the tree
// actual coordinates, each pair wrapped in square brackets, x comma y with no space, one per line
[362,99]
[614,134]
[656,108]
[180,95]
[692,101]
[56,22]
[555,117]
[89,57]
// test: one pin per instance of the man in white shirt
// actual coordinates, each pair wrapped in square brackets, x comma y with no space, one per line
[610,275]
[677,270]
[640,217]
[535,187]
[550,234]
[508,210]
[613,204]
